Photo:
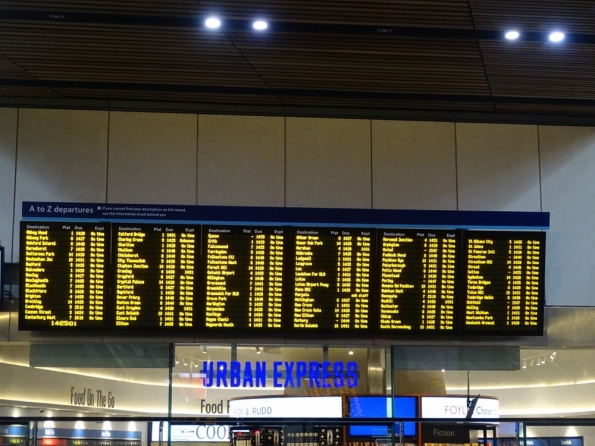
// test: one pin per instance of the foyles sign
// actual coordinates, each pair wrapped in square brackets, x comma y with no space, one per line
[283,373]
[456,407]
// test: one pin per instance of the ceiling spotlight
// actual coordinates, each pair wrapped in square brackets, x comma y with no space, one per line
[531,365]
[351,352]
[177,360]
[543,360]
[195,364]
[258,350]
[512,34]
[556,36]
[212,23]
[442,370]
[538,362]
[185,361]
[260,25]
[204,348]
[553,356]
[524,363]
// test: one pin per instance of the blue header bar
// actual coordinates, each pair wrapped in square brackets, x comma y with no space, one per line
[378,218]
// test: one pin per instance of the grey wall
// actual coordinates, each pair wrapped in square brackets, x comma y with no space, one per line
[99,156]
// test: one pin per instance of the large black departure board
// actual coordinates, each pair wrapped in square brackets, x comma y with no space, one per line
[332,278]
[243,277]
[418,284]
[154,275]
[63,278]
[288,281]
[503,289]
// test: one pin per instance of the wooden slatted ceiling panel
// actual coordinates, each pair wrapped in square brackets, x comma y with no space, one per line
[538,70]
[365,63]
[576,16]
[10,70]
[135,7]
[104,53]
[426,13]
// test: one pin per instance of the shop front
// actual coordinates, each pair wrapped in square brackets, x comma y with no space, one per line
[270,395]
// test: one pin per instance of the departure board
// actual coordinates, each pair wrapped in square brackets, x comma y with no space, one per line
[332,278]
[64,269]
[154,275]
[418,280]
[243,270]
[503,289]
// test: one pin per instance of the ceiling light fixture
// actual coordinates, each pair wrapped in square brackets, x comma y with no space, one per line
[177,360]
[204,348]
[512,34]
[543,360]
[258,350]
[556,36]
[524,363]
[260,25]
[553,356]
[185,361]
[351,352]
[212,23]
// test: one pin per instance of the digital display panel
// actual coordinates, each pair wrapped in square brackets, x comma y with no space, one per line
[154,275]
[63,279]
[503,283]
[332,278]
[405,407]
[243,270]
[417,275]
[290,280]
[377,407]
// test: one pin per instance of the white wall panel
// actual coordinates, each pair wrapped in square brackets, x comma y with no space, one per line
[328,163]
[8,151]
[498,167]
[414,165]
[241,160]
[62,156]
[152,158]
[568,169]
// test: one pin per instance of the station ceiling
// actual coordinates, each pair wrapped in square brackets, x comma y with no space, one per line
[431,55]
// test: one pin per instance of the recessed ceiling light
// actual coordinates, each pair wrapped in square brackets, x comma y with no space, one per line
[512,34]
[556,36]
[260,25]
[213,22]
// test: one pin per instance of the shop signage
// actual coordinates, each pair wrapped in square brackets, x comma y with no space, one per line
[14,430]
[284,373]
[456,407]
[92,398]
[87,433]
[192,432]
[553,441]
[444,433]
[288,407]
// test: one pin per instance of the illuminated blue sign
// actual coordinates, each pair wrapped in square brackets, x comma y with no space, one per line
[284,374]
